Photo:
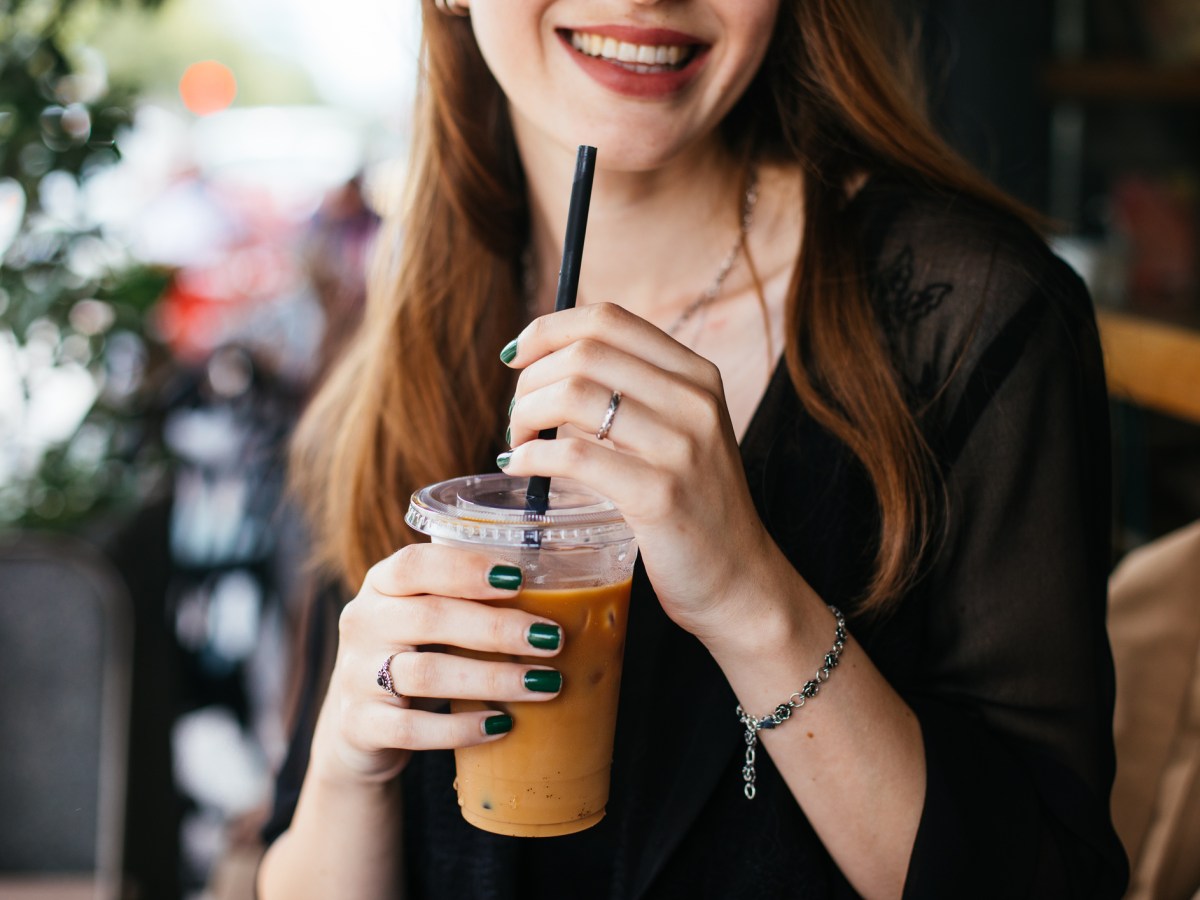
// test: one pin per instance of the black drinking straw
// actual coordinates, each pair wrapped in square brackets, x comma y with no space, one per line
[537,494]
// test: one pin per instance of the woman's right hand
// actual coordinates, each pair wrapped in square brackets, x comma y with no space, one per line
[414,604]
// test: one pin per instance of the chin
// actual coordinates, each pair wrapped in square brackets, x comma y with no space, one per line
[616,157]
[631,149]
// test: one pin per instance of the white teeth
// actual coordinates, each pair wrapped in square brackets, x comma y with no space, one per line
[641,57]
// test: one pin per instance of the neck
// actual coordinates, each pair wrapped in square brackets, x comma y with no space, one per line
[654,239]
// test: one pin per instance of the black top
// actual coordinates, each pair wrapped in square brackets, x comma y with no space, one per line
[1000,650]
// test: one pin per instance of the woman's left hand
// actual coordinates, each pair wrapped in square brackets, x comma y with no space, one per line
[673,466]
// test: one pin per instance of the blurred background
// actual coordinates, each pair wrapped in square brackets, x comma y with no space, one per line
[188,192]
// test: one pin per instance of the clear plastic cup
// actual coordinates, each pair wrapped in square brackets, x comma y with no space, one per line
[550,775]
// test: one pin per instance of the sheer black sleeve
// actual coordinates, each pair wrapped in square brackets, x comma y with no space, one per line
[314,662]
[997,342]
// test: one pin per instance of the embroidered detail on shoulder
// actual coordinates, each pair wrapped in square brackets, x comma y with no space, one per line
[896,299]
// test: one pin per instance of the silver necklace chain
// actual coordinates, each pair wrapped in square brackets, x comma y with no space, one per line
[714,289]
[529,276]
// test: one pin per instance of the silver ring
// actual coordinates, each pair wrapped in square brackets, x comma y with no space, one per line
[451,7]
[383,677]
[606,425]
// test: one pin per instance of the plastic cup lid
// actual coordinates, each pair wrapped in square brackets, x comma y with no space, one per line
[490,509]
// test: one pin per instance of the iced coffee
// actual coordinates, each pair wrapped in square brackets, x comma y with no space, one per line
[550,775]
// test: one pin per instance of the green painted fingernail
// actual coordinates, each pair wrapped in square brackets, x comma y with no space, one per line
[543,636]
[509,353]
[508,436]
[503,460]
[497,724]
[544,681]
[512,404]
[507,578]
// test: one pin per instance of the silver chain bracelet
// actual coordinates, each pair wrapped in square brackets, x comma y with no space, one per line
[783,711]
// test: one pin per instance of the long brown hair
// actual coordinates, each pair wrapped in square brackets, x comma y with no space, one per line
[417,398]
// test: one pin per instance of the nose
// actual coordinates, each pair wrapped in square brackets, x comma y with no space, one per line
[654,4]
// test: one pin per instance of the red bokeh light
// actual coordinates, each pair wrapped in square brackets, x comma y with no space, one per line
[207,87]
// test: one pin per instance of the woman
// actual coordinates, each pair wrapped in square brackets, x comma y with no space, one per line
[849,375]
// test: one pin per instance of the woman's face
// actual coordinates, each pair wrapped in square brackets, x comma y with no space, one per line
[642,80]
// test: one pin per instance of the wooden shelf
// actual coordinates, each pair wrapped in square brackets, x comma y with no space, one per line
[1152,364]
[1132,81]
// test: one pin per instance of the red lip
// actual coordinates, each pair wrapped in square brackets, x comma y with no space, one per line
[650,86]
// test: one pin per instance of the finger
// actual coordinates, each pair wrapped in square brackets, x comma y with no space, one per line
[450,571]
[666,392]
[611,324]
[630,482]
[584,404]
[383,726]
[413,621]
[432,674]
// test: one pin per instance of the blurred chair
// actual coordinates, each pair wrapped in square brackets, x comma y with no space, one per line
[1154,624]
[65,663]
[1152,364]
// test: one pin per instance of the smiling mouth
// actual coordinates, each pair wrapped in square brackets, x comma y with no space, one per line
[644,59]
